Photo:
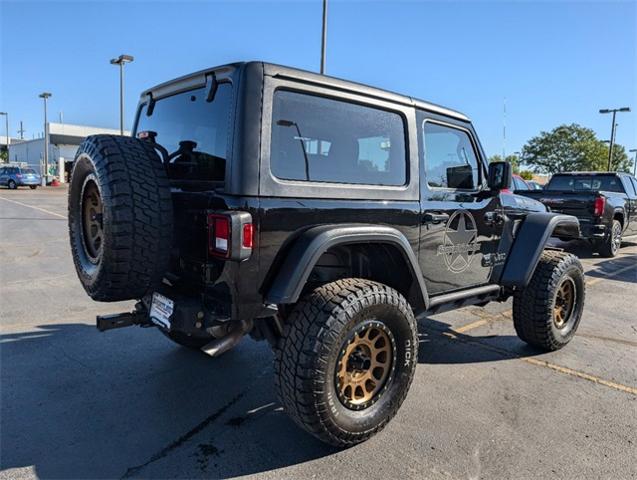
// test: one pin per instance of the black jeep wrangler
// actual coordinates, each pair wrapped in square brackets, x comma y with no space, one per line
[320,215]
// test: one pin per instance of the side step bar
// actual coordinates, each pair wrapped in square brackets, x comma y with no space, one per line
[121,320]
[463,297]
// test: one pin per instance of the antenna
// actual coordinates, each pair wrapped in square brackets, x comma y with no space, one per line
[504,128]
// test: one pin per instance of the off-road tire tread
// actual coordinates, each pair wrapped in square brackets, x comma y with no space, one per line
[532,306]
[308,337]
[136,190]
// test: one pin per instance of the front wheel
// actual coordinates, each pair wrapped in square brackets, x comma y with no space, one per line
[33,187]
[547,312]
[346,360]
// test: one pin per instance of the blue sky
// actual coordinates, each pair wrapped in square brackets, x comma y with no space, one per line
[554,61]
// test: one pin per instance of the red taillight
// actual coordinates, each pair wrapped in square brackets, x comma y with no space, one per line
[230,235]
[219,235]
[18,175]
[248,236]
[598,206]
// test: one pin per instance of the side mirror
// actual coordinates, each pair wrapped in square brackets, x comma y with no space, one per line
[500,176]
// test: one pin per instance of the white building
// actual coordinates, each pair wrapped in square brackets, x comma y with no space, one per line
[64,139]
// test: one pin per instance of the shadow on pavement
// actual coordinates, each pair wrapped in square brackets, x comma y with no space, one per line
[79,404]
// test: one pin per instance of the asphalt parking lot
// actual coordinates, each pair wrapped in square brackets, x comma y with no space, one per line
[76,403]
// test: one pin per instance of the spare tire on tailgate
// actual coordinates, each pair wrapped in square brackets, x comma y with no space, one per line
[120,217]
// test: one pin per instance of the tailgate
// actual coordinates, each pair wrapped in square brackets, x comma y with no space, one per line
[578,204]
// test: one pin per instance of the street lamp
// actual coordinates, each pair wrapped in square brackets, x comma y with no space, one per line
[45,96]
[6,119]
[634,161]
[612,130]
[121,60]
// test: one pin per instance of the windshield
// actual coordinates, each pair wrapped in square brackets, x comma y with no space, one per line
[608,183]
[193,131]
[28,170]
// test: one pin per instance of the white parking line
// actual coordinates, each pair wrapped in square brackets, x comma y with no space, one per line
[34,208]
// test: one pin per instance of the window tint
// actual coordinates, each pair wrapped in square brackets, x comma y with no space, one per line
[608,183]
[450,161]
[194,130]
[324,140]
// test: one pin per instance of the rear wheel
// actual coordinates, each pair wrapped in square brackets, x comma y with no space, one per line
[547,312]
[12,185]
[346,360]
[610,245]
[120,217]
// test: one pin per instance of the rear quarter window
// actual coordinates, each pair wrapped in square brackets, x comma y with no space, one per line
[318,139]
[194,131]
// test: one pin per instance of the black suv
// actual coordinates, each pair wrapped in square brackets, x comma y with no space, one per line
[320,215]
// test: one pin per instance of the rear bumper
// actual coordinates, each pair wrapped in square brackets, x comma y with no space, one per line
[593,230]
[28,183]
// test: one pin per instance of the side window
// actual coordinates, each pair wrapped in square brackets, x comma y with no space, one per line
[634,182]
[323,140]
[450,160]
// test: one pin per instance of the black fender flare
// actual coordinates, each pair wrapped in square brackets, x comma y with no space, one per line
[530,240]
[291,277]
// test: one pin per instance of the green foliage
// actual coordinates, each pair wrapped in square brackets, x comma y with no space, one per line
[4,156]
[526,174]
[569,148]
[514,160]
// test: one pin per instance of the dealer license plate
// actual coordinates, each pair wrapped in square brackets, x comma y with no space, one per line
[161,309]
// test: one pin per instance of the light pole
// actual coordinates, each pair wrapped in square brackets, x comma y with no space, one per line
[612,130]
[324,37]
[6,119]
[121,60]
[45,96]
[634,161]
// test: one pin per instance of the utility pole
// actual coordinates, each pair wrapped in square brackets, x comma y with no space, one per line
[612,130]
[121,60]
[634,161]
[324,38]
[45,96]
[21,131]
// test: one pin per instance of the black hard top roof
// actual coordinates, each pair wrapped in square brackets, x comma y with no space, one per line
[198,78]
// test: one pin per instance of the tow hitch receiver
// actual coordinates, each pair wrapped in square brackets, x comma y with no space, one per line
[121,320]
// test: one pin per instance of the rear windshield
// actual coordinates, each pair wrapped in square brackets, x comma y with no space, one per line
[606,183]
[28,170]
[193,130]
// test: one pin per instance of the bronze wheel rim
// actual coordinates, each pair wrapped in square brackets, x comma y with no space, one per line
[365,366]
[92,220]
[564,303]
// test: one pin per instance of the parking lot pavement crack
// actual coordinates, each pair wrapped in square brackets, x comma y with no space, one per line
[132,471]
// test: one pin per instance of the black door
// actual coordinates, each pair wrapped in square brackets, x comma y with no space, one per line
[460,230]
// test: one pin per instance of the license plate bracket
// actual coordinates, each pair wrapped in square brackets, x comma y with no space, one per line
[161,310]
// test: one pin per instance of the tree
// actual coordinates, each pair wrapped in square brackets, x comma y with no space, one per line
[526,174]
[514,160]
[569,148]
